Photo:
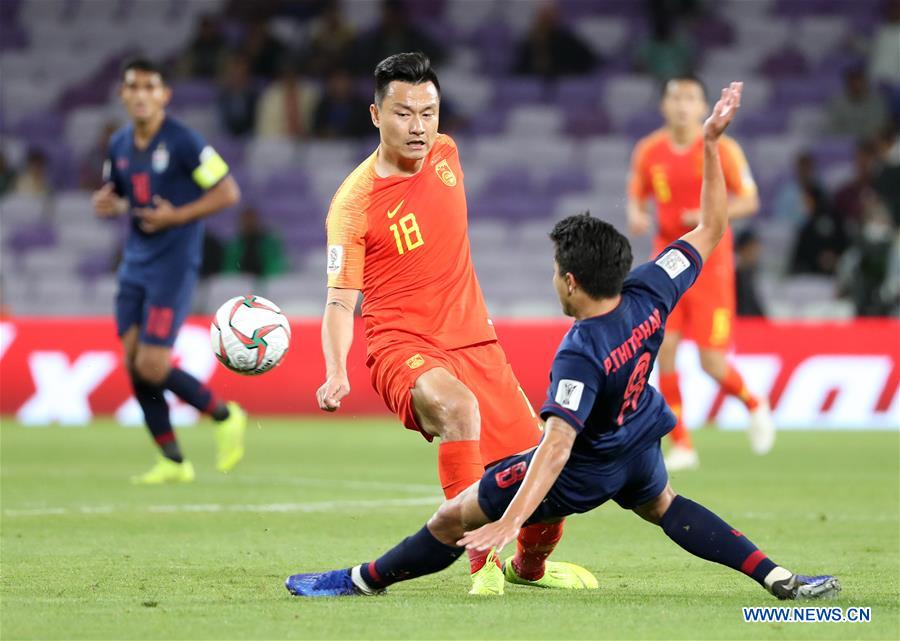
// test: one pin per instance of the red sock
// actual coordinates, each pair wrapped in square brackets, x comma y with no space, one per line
[668,385]
[733,384]
[535,543]
[459,466]
[478,559]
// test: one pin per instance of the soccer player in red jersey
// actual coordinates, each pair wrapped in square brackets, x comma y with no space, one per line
[667,168]
[397,232]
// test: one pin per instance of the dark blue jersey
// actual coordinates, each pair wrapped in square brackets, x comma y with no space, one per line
[598,382]
[177,166]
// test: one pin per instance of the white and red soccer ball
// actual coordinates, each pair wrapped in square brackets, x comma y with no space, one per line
[250,334]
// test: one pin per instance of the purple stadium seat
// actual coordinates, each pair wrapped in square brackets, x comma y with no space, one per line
[795,91]
[608,7]
[802,8]
[297,238]
[567,181]
[514,91]
[40,126]
[583,120]
[12,36]
[291,210]
[9,11]
[512,206]
[193,93]
[643,123]
[510,180]
[95,265]
[33,236]
[788,61]
[713,31]
[833,151]
[761,123]
[797,8]
[834,63]
[294,182]
[584,90]
[490,122]
[231,149]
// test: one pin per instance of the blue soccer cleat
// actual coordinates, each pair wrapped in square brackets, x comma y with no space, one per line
[346,582]
[798,587]
[333,583]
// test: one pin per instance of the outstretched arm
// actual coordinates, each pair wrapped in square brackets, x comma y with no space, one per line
[714,196]
[548,462]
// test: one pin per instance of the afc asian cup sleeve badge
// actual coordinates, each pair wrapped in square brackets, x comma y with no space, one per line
[160,159]
[445,173]
[335,259]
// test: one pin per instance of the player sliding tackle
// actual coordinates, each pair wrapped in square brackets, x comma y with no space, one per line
[603,422]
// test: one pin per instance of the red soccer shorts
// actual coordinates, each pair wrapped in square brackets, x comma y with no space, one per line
[508,422]
[706,311]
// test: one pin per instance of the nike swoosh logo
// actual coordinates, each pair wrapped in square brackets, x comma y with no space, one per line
[393,212]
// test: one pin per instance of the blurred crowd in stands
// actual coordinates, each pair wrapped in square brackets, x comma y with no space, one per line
[315,87]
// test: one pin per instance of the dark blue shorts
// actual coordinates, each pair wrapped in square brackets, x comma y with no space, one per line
[159,307]
[580,487]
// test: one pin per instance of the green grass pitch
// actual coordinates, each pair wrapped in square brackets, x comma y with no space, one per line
[85,555]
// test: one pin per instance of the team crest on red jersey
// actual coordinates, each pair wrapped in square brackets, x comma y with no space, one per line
[445,173]
[415,362]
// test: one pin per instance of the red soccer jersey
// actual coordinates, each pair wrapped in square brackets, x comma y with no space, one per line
[403,241]
[673,178]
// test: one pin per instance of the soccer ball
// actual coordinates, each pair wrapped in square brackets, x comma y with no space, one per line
[250,335]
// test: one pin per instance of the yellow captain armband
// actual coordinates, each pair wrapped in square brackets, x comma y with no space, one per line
[211,170]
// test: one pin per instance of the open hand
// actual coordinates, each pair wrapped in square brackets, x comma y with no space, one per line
[159,217]
[723,111]
[493,535]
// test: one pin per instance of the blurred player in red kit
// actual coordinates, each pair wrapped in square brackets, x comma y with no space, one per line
[667,168]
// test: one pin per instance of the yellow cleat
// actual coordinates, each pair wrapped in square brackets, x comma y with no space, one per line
[230,438]
[166,471]
[562,576]
[488,581]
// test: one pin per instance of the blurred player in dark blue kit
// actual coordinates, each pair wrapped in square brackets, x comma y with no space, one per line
[166,179]
[603,422]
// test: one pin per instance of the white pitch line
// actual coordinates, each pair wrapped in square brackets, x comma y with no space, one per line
[344,483]
[319,506]
[374,504]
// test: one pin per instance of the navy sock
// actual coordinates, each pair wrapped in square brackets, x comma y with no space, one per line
[156,415]
[414,556]
[704,534]
[195,393]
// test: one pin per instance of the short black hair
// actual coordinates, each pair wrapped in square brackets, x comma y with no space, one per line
[414,68]
[594,252]
[684,77]
[146,65]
